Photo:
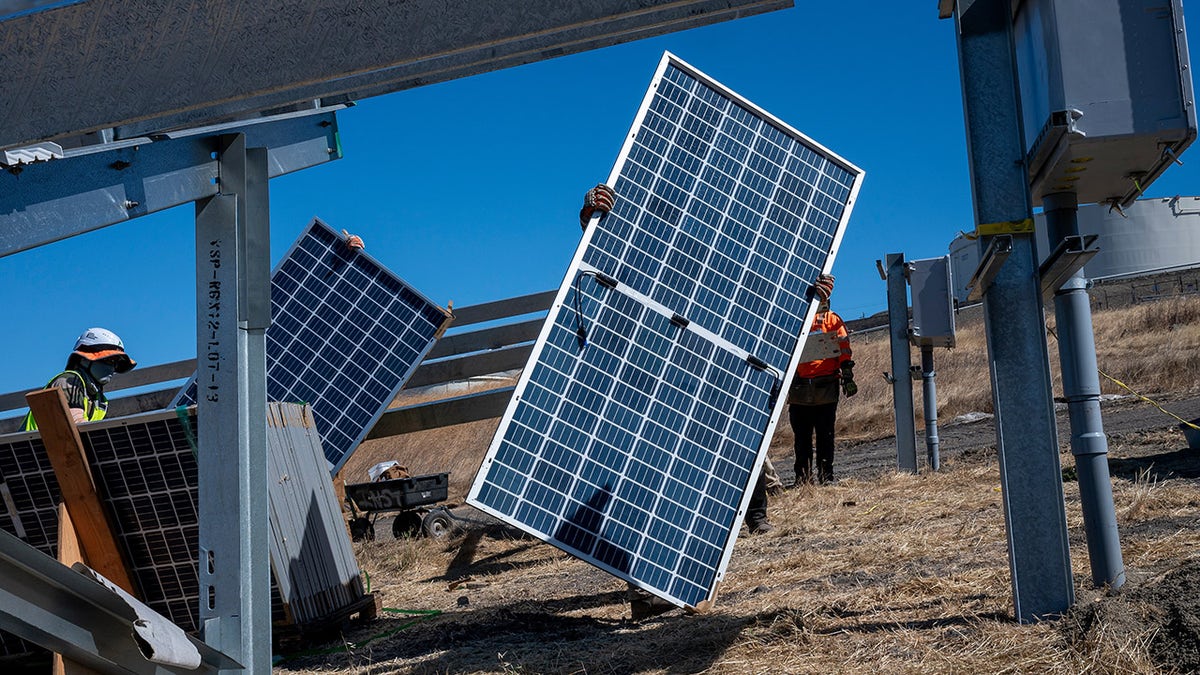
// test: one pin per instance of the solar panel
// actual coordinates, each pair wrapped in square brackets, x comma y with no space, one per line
[637,428]
[146,473]
[346,334]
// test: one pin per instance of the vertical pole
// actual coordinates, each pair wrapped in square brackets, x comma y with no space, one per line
[1026,433]
[902,398]
[231,413]
[1081,387]
[929,398]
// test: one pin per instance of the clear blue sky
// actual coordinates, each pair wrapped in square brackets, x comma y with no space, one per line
[469,189]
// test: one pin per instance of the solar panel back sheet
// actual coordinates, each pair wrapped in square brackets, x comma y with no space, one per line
[636,431]
[346,334]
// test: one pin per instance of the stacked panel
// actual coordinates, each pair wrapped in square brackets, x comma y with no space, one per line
[346,334]
[637,428]
[145,472]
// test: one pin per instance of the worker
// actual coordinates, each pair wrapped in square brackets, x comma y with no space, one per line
[813,397]
[98,355]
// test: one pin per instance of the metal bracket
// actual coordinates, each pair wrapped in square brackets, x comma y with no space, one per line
[993,259]
[1071,254]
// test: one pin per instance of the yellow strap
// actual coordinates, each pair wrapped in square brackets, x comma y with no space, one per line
[1005,227]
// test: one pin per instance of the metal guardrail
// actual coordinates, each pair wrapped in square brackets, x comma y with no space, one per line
[504,344]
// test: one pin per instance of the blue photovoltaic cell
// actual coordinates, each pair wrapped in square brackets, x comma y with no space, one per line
[634,447]
[346,333]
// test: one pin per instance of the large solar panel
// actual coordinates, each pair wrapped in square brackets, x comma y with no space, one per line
[346,334]
[146,473]
[637,428]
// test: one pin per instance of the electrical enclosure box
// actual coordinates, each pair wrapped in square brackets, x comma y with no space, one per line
[932,302]
[1106,95]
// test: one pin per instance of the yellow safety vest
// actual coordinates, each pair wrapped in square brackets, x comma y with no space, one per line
[93,409]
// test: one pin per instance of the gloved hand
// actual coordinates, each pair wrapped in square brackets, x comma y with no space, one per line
[599,199]
[823,287]
[353,241]
[849,387]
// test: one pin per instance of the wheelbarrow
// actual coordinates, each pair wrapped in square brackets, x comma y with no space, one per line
[409,498]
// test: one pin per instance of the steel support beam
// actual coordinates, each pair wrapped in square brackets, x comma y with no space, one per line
[902,396]
[64,611]
[93,187]
[152,65]
[1026,435]
[231,252]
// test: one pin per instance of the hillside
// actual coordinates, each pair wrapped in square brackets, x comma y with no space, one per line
[881,572]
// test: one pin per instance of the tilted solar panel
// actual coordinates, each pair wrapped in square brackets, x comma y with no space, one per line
[146,474]
[637,428]
[346,334]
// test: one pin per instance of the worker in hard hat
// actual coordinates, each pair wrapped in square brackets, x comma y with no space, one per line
[98,355]
[813,397]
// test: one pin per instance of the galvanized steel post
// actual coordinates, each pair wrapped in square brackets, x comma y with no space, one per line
[902,397]
[1026,434]
[231,251]
[1081,387]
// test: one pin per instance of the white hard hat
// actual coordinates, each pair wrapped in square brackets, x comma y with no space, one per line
[100,343]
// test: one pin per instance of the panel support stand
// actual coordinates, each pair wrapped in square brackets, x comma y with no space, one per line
[929,400]
[231,255]
[1026,433]
[902,396]
[1081,387]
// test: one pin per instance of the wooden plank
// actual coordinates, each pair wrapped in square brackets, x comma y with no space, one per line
[504,309]
[69,553]
[64,448]
[472,365]
[487,338]
[69,550]
[470,408]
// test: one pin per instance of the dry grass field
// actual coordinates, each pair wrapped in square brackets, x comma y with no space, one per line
[879,573]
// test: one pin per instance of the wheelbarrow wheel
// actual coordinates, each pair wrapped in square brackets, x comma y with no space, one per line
[437,524]
[406,524]
[362,529]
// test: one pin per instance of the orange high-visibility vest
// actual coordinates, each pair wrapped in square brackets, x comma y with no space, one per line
[828,322]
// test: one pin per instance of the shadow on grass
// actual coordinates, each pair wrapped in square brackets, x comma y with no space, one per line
[531,636]
[464,563]
[1177,464]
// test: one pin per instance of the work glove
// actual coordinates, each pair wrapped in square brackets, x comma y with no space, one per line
[353,241]
[823,287]
[599,199]
[849,387]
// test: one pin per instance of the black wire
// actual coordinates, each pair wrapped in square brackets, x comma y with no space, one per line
[580,328]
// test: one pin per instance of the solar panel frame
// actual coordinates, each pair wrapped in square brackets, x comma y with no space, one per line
[609,268]
[367,329]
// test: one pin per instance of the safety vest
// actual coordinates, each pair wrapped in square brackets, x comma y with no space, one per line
[93,408]
[827,322]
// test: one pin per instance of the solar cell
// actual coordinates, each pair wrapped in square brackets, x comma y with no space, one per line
[637,428]
[346,334]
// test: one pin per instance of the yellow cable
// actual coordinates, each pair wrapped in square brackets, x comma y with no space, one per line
[1130,390]
[1168,412]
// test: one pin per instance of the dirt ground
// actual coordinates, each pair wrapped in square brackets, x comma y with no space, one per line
[882,572]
